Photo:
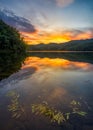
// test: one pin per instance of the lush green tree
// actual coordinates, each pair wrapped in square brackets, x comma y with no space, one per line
[10,39]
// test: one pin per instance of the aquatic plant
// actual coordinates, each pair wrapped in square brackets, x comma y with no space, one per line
[75,107]
[15,107]
[81,113]
[67,115]
[51,113]
[54,115]
[74,103]
[43,108]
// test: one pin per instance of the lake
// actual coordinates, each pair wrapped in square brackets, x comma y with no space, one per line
[46,91]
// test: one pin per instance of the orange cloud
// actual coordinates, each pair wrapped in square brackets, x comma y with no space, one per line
[60,37]
[73,35]
[84,35]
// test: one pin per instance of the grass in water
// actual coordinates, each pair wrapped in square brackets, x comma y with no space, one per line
[51,113]
[14,107]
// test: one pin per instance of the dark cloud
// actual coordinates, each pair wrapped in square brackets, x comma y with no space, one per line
[21,23]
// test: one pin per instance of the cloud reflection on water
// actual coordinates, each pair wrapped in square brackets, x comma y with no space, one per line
[57,63]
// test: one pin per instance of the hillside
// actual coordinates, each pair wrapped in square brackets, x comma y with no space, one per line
[77,45]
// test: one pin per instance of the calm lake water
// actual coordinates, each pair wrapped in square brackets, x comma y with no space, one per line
[46,91]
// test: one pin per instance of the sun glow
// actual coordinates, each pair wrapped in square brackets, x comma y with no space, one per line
[61,37]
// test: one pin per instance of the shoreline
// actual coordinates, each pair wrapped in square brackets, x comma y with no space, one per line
[62,51]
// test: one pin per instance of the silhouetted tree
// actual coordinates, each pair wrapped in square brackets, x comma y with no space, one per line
[10,39]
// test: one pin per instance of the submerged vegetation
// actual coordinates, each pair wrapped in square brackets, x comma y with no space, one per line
[51,113]
[19,111]
[54,115]
[75,107]
[10,39]
[15,107]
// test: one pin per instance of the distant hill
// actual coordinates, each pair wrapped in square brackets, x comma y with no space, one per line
[76,45]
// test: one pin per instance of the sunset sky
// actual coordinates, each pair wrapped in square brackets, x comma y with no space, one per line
[45,21]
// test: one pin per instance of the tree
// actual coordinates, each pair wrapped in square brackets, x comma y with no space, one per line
[10,39]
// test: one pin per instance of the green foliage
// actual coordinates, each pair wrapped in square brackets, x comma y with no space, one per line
[10,39]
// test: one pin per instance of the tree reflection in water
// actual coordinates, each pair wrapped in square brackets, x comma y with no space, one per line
[10,63]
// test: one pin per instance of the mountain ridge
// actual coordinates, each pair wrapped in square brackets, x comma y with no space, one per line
[75,45]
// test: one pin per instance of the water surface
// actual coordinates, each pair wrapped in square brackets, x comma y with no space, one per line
[48,92]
